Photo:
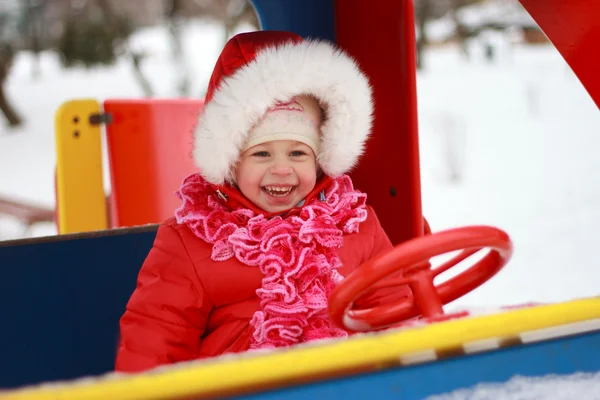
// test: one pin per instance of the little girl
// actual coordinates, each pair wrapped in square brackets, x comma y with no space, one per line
[271,222]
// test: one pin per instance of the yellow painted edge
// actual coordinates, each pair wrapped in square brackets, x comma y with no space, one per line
[226,374]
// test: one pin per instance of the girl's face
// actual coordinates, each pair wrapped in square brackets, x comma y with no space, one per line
[277,175]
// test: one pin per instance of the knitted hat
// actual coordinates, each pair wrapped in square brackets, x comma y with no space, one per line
[298,119]
[257,70]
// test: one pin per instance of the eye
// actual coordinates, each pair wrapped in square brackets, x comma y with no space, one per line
[261,154]
[297,153]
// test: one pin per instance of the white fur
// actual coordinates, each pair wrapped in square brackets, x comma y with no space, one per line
[277,74]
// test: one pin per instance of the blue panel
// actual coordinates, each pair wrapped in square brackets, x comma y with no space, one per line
[307,18]
[581,353]
[61,301]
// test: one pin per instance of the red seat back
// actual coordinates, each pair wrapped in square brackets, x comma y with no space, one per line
[149,148]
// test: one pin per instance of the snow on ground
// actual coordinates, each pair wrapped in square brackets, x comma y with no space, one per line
[581,386]
[521,134]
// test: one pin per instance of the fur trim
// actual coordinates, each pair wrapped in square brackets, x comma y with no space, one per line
[276,74]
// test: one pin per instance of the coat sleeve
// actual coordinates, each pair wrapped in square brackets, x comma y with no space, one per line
[381,241]
[382,244]
[167,313]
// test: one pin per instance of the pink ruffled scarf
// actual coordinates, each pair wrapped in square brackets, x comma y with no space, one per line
[296,253]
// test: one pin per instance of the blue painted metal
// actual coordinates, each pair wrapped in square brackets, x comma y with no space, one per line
[561,356]
[61,301]
[307,18]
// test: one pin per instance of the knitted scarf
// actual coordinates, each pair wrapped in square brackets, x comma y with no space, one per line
[296,254]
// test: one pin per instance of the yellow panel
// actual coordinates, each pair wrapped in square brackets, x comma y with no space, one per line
[81,200]
[236,374]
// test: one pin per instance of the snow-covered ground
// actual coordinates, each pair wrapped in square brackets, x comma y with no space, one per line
[520,136]
[581,386]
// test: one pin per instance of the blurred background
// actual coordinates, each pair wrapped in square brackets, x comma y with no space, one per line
[508,135]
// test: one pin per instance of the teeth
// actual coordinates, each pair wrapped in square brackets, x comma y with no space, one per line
[278,190]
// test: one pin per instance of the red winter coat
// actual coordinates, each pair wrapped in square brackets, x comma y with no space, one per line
[187,306]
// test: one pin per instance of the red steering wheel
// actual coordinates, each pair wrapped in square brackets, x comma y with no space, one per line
[410,261]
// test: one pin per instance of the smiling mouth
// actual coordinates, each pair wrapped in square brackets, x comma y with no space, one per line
[278,191]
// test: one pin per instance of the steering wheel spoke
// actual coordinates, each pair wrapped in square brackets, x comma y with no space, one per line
[460,257]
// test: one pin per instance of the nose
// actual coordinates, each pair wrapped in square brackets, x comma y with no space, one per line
[281,166]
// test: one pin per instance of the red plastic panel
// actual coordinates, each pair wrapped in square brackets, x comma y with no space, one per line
[149,147]
[382,38]
[573,26]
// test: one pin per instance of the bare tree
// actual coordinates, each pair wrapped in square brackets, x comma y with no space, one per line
[236,12]
[428,10]
[423,11]
[231,13]
[175,19]
[8,40]
[136,57]
[6,58]
[33,30]
[97,33]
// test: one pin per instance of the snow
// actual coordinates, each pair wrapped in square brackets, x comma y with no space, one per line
[581,386]
[511,143]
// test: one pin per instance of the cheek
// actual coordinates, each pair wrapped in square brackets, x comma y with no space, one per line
[248,177]
[308,176]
